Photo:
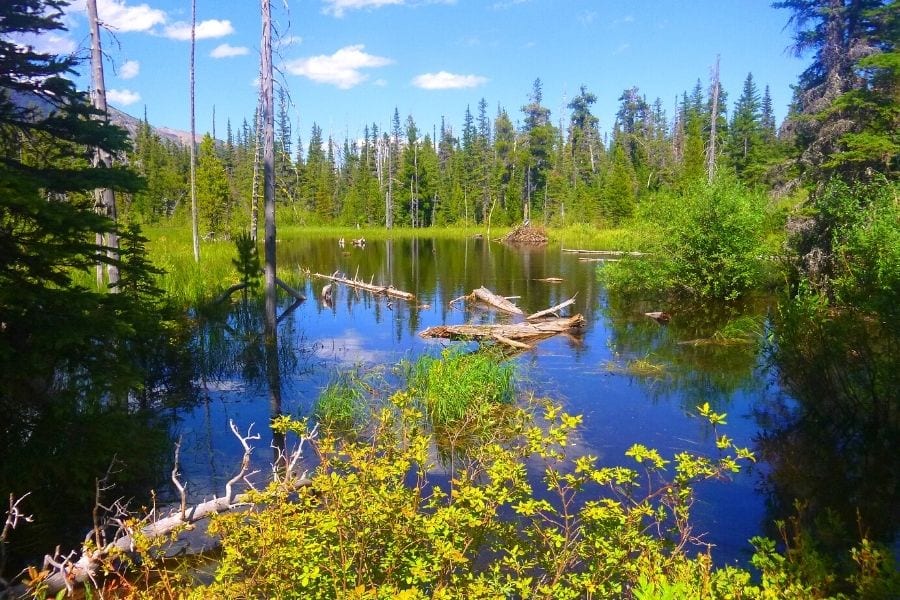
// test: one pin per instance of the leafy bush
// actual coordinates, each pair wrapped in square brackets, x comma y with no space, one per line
[861,227]
[709,243]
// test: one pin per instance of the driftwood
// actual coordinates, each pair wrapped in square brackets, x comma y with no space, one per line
[513,334]
[604,252]
[488,297]
[297,295]
[551,279]
[553,310]
[378,290]
[68,571]
[659,316]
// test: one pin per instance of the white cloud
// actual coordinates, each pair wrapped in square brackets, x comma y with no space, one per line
[212,28]
[47,42]
[341,69]
[116,14]
[447,81]
[228,51]
[129,69]
[339,7]
[380,82]
[122,97]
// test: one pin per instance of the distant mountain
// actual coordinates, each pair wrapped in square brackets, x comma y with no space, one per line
[122,119]
[131,125]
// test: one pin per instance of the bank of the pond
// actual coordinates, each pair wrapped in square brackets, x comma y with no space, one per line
[188,283]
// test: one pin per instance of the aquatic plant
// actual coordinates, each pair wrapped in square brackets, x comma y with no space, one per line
[455,383]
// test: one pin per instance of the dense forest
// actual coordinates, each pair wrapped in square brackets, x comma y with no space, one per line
[731,202]
[502,166]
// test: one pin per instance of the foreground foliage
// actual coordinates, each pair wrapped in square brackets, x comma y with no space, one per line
[381,520]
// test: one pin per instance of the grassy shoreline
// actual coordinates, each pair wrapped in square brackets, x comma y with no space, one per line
[187,282]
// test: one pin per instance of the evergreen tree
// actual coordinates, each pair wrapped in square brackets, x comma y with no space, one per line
[60,344]
[847,114]
[213,195]
[746,131]
[539,136]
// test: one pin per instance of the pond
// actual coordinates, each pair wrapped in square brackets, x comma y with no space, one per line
[815,399]
[592,374]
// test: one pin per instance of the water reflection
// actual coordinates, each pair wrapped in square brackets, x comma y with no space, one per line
[831,440]
[704,352]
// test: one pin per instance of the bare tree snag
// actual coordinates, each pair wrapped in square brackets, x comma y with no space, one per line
[714,117]
[378,290]
[105,199]
[553,310]
[195,217]
[515,332]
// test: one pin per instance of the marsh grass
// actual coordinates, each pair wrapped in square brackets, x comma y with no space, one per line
[456,385]
[341,406]
[638,367]
[744,330]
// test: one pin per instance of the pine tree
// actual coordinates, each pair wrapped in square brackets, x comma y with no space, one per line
[213,194]
[746,130]
[847,111]
[58,341]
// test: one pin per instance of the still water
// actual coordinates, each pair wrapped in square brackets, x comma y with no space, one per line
[587,373]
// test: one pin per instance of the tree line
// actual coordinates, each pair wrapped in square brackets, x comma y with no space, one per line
[496,169]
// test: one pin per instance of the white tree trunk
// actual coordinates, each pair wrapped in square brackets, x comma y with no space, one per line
[105,199]
[195,219]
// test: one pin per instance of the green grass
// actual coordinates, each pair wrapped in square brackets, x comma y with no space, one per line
[454,384]
[341,406]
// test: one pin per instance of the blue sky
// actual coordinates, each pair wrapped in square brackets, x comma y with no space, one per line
[348,63]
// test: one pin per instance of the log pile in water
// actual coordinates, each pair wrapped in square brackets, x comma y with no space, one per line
[512,334]
[526,234]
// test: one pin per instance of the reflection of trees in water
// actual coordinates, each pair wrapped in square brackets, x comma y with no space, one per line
[690,355]
[231,345]
[833,443]
[437,270]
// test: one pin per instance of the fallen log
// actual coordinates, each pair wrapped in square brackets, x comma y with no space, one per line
[488,297]
[606,252]
[553,310]
[506,333]
[297,295]
[550,280]
[378,290]
[227,293]
[71,570]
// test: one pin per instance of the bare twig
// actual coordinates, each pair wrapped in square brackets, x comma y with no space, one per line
[182,488]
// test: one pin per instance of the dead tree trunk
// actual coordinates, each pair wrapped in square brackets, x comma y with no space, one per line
[105,199]
[714,117]
[273,373]
[195,217]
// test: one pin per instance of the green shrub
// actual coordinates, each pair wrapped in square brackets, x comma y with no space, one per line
[709,243]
